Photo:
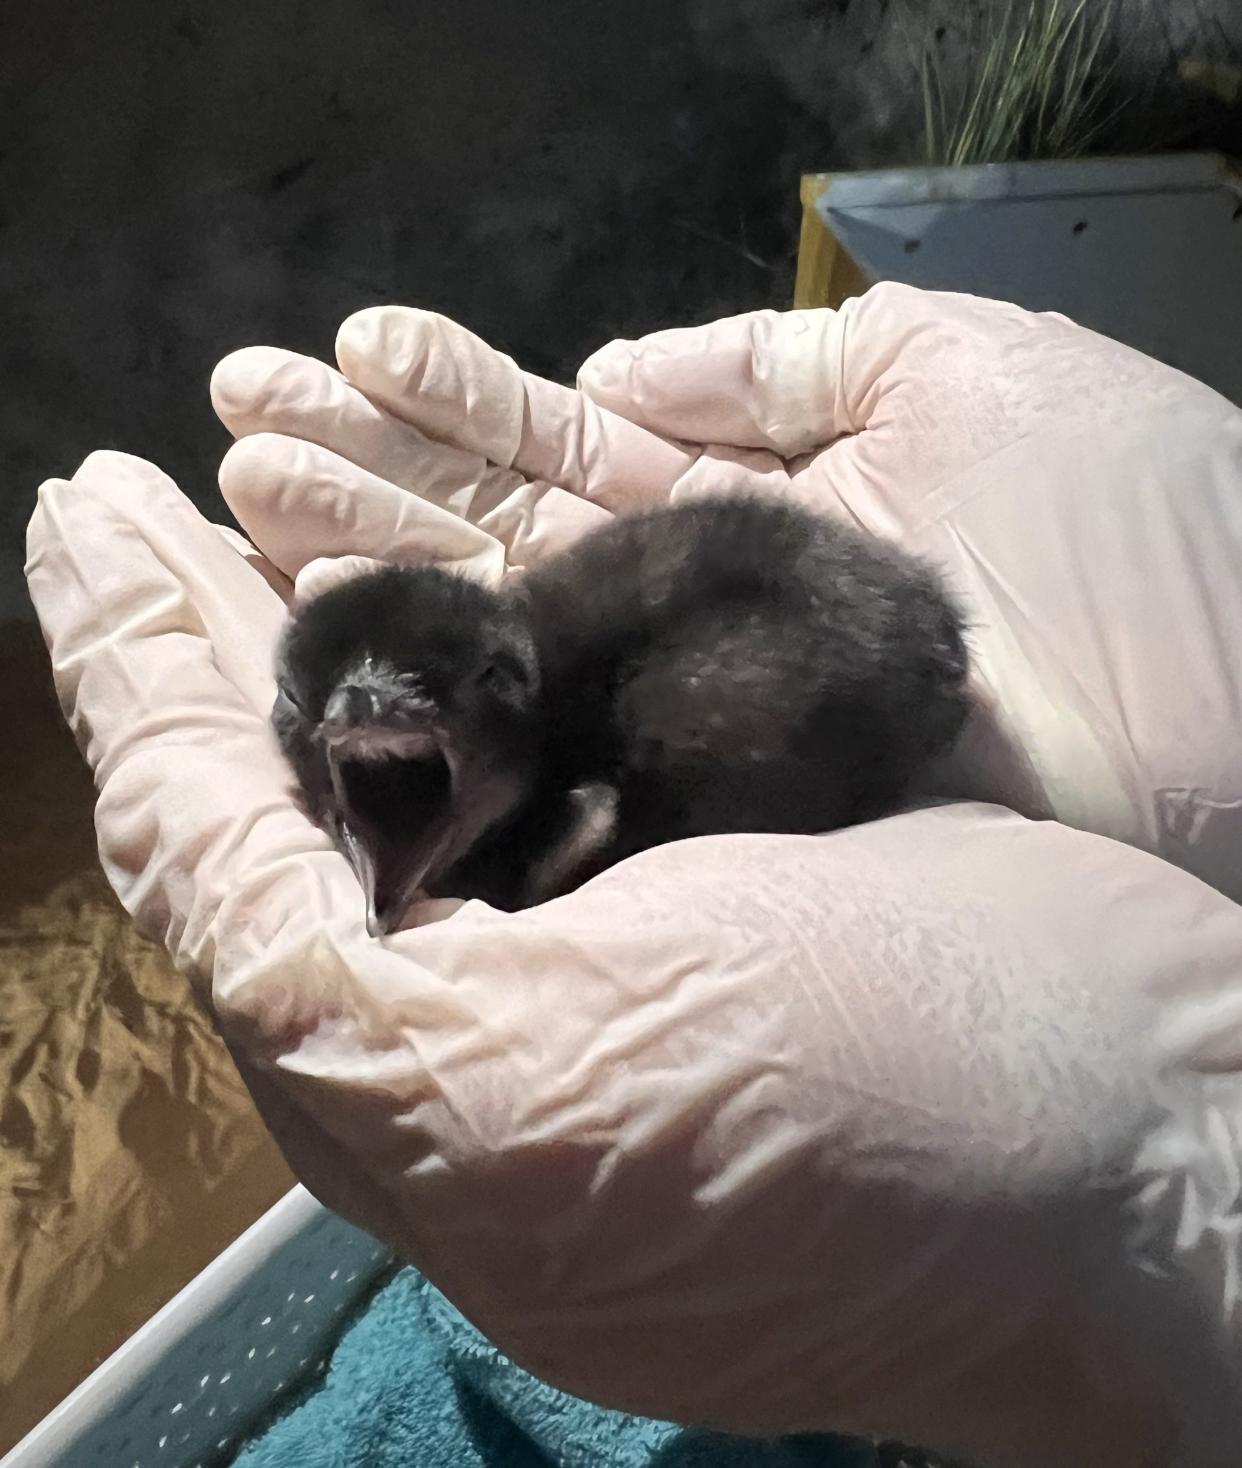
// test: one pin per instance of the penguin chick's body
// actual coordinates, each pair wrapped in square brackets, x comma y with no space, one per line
[721,666]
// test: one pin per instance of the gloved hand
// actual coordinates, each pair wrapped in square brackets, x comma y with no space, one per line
[862,1132]
[1082,498]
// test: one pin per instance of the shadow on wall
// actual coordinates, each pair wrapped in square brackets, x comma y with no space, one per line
[177,180]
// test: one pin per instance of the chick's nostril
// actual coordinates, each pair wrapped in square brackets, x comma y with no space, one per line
[348,707]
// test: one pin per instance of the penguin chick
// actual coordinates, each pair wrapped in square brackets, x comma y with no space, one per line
[725,665]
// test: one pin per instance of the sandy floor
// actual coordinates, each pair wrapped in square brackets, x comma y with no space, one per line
[130,1153]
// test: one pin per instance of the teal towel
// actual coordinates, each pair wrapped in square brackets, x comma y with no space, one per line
[412,1384]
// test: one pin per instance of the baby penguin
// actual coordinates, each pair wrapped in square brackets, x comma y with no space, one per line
[727,665]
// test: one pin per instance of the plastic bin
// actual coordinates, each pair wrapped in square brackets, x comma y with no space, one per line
[186,1388]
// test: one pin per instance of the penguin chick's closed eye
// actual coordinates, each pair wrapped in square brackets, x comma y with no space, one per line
[721,666]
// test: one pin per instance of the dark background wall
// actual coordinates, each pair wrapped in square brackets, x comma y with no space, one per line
[179,178]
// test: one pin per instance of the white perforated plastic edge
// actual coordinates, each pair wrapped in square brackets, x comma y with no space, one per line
[183,1390]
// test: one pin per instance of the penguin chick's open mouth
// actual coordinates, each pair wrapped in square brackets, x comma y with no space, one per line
[394,803]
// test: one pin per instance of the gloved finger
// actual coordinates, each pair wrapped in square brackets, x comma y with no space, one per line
[263,390]
[118,554]
[258,562]
[319,576]
[765,380]
[299,502]
[434,374]
[161,640]
[936,380]
[268,390]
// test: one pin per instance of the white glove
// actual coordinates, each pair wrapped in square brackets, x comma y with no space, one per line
[1085,501]
[858,1132]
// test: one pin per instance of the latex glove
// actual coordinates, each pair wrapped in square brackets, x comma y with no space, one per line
[1085,502]
[694,1140]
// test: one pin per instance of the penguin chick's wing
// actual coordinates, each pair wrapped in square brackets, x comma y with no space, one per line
[408,708]
[745,666]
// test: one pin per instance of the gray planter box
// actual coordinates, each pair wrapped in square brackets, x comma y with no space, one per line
[1145,250]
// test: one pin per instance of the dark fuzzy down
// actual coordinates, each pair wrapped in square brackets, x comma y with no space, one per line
[721,666]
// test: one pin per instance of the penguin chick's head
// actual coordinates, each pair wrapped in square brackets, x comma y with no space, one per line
[408,706]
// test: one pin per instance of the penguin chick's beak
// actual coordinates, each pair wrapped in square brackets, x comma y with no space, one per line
[392,779]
